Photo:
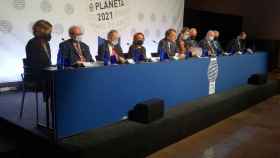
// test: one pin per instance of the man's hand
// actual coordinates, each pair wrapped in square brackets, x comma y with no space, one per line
[79,62]
[250,50]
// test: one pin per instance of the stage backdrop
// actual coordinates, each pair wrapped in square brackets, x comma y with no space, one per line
[96,17]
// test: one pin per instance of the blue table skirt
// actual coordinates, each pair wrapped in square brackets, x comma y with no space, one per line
[94,97]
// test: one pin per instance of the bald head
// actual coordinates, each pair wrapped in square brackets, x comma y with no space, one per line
[75,31]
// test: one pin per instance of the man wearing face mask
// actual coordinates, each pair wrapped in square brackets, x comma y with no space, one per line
[168,44]
[73,50]
[38,53]
[207,43]
[112,48]
[137,50]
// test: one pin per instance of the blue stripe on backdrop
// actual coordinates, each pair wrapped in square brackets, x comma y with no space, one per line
[94,97]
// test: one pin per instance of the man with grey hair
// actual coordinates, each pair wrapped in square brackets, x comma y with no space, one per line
[207,43]
[112,48]
[73,50]
[238,45]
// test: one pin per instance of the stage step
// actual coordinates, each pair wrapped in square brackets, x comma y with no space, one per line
[131,139]
[8,147]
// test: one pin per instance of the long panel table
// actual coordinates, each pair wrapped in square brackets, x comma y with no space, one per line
[89,98]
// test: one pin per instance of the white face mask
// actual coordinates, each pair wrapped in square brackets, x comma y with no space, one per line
[186,36]
[211,38]
[79,38]
[115,42]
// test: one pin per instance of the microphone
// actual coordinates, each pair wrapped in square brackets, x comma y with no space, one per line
[154,41]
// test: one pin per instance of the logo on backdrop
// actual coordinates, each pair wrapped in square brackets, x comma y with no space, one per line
[5,26]
[107,14]
[213,70]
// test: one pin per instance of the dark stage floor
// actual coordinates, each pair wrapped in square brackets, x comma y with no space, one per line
[253,133]
[10,109]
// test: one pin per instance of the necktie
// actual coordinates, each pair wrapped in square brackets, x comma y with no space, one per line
[169,48]
[79,51]
[114,52]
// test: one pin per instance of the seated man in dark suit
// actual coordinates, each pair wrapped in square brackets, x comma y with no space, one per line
[207,44]
[73,50]
[112,48]
[137,51]
[238,45]
[168,44]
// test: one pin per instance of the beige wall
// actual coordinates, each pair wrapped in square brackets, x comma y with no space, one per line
[261,18]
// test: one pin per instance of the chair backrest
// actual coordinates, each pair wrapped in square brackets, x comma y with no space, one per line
[28,75]
[98,58]
[155,54]
[127,56]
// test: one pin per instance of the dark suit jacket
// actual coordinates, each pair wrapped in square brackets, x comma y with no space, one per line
[70,54]
[218,47]
[163,45]
[142,50]
[236,45]
[191,43]
[36,55]
[104,48]
[206,45]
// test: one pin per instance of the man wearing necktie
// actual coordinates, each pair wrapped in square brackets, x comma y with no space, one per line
[112,48]
[208,43]
[168,44]
[73,50]
[238,45]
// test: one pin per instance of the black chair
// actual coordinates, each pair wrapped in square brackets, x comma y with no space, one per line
[29,84]
[98,58]
[155,54]
[127,56]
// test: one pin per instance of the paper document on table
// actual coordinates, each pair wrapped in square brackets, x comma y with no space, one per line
[90,64]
